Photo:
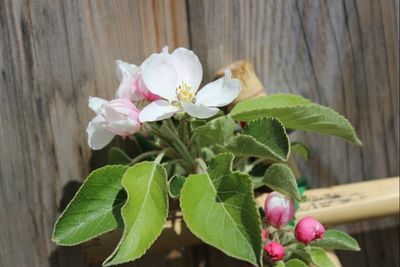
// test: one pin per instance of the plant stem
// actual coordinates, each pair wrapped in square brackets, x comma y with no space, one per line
[202,166]
[159,157]
[143,156]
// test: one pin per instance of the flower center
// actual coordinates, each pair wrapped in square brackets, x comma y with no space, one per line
[184,93]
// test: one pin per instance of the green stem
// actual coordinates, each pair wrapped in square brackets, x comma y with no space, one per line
[159,157]
[170,137]
[143,156]
[202,166]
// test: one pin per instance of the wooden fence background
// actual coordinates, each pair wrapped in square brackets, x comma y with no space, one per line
[54,54]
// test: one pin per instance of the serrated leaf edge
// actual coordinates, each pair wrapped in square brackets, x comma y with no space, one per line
[106,261]
[72,200]
[250,185]
[243,117]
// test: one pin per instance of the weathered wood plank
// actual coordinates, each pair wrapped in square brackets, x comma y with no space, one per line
[54,54]
[343,54]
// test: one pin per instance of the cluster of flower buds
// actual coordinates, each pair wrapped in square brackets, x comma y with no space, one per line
[279,211]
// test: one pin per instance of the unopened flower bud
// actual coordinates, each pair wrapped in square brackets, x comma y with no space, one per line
[309,229]
[279,210]
[274,251]
[264,235]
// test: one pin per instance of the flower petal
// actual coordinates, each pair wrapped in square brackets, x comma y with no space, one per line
[188,67]
[95,103]
[124,127]
[98,135]
[199,110]
[159,76]
[157,110]
[126,74]
[220,92]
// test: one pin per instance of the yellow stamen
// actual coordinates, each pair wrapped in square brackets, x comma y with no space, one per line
[184,93]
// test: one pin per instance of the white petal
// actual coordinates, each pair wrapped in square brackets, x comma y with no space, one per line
[126,74]
[98,136]
[95,103]
[220,92]
[160,76]
[157,110]
[188,67]
[124,127]
[125,69]
[199,111]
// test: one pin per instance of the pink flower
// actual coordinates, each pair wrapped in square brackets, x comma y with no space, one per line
[176,77]
[274,251]
[115,117]
[278,209]
[309,229]
[132,86]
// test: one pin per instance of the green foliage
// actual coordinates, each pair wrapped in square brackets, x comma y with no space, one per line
[335,239]
[217,131]
[279,264]
[279,177]
[95,208]
[296,112]
[175,185]
[219,208]
[144,213]
[319,257]
[301,149]
[295,263]
[264,138]
[117,156]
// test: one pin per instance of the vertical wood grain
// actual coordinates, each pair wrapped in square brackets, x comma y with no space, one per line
[54,54]
[343,54]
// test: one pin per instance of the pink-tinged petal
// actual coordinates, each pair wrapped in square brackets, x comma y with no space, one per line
[98,135]
[124,127]
[188,67]
[159,76]
[220,92]
[126,74]
[95,103]
[157,110]
[199,111]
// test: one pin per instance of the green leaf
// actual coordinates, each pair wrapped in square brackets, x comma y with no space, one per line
[279,264]
[279,177]
[264,138]
[296,112]
[258,181]
[335,239]
[319,257]
[296,263]
[118,156]
[219,208]
[301,149]
[144,213]
[95,208]
[217,131]
[175,185]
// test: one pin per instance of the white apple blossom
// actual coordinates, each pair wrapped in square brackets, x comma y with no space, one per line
[176,78]
[115,117]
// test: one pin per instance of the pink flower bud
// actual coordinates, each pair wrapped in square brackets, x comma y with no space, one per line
[115,117]
[264,235]
[278,209]
[309,229]
[274,251]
